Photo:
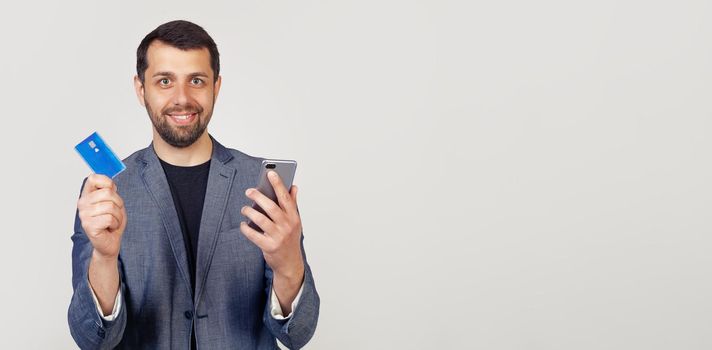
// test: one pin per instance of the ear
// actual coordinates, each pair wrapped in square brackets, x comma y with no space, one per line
[216,87]
[138,86]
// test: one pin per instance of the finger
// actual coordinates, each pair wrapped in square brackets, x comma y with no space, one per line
[123,217]
[293,192]
[269,206]
[103,222]
[260,240]
[115,224]
[260,219]
[105,208]
[104,195]
[114,213]
[95,182]
[283,197]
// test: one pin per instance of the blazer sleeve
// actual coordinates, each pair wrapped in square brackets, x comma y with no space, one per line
[88,328]
[297,330]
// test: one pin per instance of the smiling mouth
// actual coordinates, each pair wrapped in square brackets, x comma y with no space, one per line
[183,118]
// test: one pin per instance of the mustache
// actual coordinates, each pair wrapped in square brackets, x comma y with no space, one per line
[186,109]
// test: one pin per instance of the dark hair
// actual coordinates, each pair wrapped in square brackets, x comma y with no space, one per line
[180,34]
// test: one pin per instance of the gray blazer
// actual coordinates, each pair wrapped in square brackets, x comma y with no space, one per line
[230,308]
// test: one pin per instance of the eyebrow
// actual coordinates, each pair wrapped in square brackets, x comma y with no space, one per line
[170,74]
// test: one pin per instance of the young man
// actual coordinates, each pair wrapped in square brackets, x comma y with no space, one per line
[162,256]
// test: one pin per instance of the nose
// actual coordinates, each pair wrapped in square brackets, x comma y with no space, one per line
[180,96]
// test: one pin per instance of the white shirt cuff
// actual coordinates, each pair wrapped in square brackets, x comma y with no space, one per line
[117,305]
[276,310]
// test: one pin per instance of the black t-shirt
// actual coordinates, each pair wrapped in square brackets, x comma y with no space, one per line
[188,185]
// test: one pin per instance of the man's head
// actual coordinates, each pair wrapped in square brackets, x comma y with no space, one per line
[177,80]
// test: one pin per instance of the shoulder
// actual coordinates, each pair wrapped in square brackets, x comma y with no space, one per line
[234,157]
[239,156]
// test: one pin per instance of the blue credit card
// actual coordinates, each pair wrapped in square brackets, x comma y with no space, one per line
[99,156]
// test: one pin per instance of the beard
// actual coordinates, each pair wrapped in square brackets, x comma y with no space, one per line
[183,135]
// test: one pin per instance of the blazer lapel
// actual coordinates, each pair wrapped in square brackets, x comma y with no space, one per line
[154,178]
[220,179]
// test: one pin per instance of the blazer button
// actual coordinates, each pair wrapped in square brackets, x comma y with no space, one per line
[188,315]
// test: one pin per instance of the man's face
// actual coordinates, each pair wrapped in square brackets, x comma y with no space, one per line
[179,92]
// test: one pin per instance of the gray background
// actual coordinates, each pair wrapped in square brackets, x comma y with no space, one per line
[479,175]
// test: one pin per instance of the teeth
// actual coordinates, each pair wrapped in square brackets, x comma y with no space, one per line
[181,117]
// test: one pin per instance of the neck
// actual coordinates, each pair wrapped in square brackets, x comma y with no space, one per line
[198,153]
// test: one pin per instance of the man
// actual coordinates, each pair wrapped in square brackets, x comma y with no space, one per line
[162,256]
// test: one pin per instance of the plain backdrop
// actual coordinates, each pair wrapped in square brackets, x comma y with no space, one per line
[473,174]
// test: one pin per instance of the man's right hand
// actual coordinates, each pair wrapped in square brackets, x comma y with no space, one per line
[103,216]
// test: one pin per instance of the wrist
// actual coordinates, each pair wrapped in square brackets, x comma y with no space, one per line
[103,260]
[292,277]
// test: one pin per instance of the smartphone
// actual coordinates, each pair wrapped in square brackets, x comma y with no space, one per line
[285,169]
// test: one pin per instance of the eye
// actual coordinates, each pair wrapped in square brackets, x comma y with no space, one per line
[164,81]
[196,81]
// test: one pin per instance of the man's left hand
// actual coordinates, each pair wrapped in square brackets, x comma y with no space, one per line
[281,241]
